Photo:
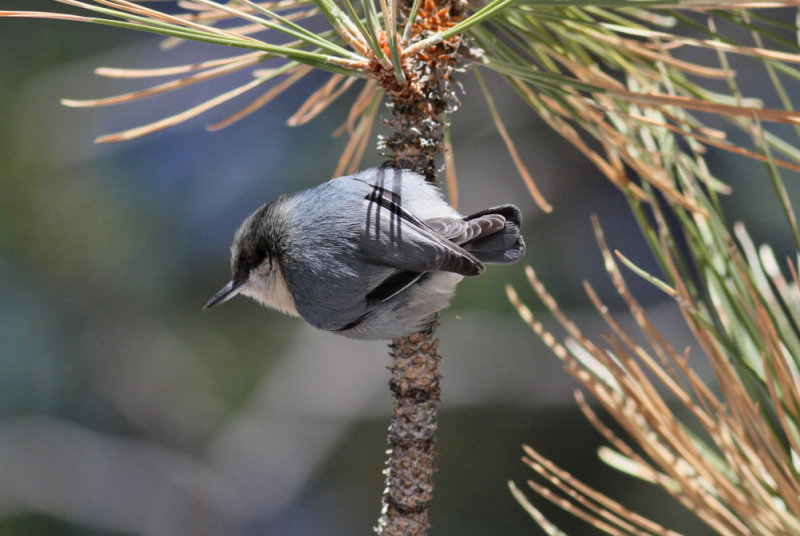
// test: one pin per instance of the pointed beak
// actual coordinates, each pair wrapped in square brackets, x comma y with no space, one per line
[225,293]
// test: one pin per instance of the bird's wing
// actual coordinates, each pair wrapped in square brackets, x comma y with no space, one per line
[395,238]
[460,231]
[393,285]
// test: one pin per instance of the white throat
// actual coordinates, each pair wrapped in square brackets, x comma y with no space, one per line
[267,285]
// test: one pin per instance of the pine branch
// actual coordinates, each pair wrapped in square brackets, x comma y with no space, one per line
[409,470]
[419,102]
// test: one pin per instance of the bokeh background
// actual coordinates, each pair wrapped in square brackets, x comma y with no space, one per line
[126,409]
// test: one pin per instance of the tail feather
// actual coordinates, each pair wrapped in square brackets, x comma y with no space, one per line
[503,246]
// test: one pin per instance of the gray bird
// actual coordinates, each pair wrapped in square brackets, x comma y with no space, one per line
[373,255]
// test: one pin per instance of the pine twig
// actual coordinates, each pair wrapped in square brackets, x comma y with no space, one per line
[410,468]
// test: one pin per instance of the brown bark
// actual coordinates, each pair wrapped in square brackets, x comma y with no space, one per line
[410,468]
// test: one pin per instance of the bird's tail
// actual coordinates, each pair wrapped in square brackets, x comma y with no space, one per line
[501,247]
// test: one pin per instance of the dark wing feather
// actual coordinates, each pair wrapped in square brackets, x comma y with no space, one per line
[395,238]
[503,246]
[463,231]
[393,285]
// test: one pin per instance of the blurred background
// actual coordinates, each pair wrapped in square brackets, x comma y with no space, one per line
[126,409]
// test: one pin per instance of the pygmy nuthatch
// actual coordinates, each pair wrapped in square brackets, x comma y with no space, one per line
[373,255]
